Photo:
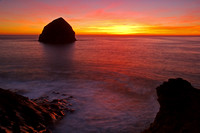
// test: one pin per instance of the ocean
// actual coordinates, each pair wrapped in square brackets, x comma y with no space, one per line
[112,78]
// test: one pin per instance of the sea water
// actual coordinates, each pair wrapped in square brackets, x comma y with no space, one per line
[112,78]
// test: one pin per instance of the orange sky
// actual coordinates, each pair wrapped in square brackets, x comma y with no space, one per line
[121,17]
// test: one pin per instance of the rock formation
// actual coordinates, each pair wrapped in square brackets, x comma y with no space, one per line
[57,32]
[179,108]
[18,114]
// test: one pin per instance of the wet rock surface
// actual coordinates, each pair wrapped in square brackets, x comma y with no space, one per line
[20,114]
[57,32]
[179,108]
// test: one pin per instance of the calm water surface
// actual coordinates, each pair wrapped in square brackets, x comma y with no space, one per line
[112,78]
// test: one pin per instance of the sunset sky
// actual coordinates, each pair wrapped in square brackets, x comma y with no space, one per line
[161,17]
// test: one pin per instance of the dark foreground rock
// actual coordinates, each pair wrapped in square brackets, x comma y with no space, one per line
[57,32]
[179,108]
[18,114]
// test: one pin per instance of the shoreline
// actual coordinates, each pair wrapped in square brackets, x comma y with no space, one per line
[179,108]
[178,99]
[21,114]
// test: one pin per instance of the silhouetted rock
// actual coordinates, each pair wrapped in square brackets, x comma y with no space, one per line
[57,32]
[18,114]
[179,108]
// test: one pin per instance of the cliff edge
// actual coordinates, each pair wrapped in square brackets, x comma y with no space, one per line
[179,108]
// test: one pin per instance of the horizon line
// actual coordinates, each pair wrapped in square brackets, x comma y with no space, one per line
[110,34]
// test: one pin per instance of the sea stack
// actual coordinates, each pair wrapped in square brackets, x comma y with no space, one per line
[57,32]
[179,108]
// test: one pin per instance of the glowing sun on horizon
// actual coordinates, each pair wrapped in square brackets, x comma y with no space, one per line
[123,29]
[117,29]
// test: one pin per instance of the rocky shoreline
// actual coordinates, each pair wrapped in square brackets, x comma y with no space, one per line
[179,108]
[19,114]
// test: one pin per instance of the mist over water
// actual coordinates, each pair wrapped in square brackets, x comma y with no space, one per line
[112,78]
